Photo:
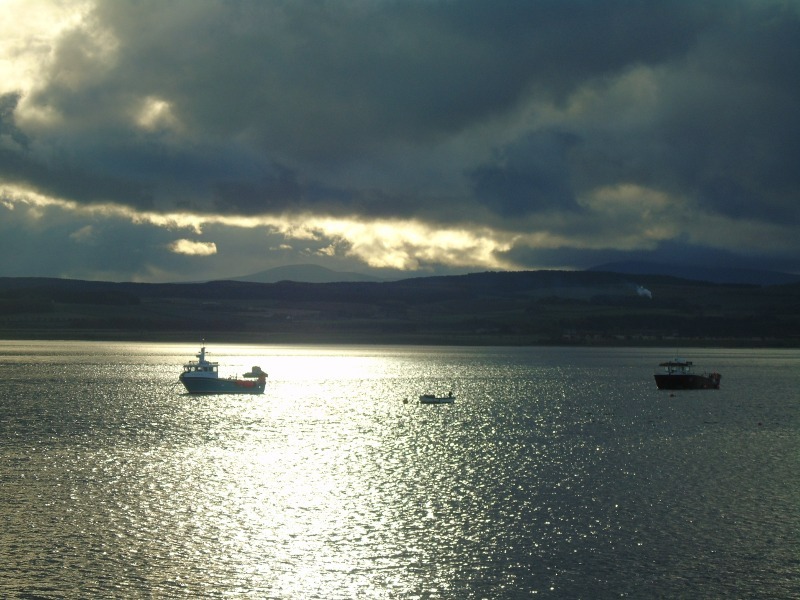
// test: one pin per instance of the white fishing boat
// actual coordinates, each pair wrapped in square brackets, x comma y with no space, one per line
[201,376]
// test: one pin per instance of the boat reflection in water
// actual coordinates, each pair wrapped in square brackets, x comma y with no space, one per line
[201,376]
[679,374]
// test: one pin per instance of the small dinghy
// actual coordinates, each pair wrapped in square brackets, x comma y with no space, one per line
[434,399]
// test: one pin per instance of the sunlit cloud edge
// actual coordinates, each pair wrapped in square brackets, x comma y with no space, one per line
[641,220]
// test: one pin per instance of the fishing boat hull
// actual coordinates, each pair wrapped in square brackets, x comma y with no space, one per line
[679,374]
[688,382]
[208,385]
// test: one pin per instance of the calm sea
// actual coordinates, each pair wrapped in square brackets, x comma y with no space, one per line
[558,473]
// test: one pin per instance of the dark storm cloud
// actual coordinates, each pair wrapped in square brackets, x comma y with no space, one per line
[327,83]
[732,114]
[340,77]
[530,175]
[516,115]
[724,127]
[275,189]
[8,103]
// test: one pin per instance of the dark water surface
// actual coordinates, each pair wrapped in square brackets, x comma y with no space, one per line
[558,473]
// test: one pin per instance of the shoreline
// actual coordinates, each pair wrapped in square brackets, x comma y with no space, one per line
[393,339]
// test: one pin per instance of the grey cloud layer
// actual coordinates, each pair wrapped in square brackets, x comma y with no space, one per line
[475,110]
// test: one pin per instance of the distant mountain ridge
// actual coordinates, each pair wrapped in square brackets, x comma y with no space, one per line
[490,308]
[304,274]
[697,273]
[310,273]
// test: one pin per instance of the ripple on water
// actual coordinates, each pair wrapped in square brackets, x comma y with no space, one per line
[557,472]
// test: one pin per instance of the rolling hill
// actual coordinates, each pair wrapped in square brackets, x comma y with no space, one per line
[527,307]
[699,273]
[304,273]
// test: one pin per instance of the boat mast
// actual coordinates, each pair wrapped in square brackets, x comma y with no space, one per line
[202,356]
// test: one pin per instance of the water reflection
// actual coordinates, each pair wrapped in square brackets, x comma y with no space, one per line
[555,473]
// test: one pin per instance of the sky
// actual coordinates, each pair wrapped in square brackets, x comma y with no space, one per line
[152,141]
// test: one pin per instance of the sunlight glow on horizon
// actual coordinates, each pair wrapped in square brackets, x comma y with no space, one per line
[412,245]
[404,244]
